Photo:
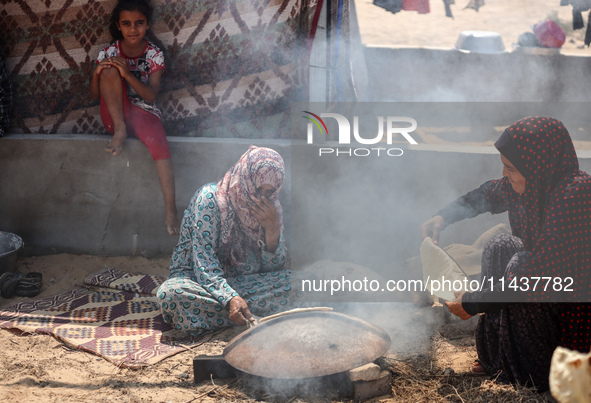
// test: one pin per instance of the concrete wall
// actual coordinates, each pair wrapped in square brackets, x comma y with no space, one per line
[65,194]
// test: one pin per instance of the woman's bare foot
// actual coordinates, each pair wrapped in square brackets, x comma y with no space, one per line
[172,223]
[115,146]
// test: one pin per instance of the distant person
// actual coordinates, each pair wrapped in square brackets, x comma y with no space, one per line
[5,98]
[549,203]
[231,260]
[127,81]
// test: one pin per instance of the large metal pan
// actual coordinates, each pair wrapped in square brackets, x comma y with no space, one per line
[306,344]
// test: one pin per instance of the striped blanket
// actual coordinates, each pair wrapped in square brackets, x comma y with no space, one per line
[115,316]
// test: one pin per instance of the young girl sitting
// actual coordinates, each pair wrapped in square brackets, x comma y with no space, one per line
[127,81]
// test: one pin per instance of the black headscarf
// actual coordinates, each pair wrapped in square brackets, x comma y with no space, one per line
[507,148]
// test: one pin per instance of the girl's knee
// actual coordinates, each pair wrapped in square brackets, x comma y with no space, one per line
[110,74]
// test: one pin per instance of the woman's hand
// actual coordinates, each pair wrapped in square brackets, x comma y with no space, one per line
[266,214]
[239,312]
[432,228]
[456,308]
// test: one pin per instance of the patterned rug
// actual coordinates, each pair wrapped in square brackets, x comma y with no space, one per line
[234,66]
[116,316]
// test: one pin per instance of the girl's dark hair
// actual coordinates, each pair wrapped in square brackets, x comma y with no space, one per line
[128,5]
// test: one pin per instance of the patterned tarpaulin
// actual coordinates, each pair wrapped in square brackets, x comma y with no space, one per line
[234,66]
[116,316]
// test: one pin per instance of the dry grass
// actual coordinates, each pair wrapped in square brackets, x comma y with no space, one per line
[415,380]
[429,378]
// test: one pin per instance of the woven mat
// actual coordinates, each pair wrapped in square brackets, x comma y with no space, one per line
[115,316]
[233,66]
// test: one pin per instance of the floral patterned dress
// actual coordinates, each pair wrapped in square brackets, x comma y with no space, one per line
[195,297]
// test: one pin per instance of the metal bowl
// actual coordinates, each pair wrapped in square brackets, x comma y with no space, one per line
[11,247]
[480,42]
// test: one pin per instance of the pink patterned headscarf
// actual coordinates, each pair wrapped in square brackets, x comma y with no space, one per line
[241,232]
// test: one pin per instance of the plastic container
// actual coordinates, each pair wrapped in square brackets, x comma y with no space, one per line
[480,42]
[11,247]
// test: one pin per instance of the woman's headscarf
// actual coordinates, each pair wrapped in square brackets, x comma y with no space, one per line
[542,151]
[241,232]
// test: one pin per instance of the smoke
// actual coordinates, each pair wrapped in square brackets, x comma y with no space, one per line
[432,75]
[367,210]
[409,325]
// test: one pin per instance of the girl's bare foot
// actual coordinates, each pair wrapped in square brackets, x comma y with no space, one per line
[115,146]
[172,224]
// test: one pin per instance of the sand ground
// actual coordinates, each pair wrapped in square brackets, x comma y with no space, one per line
[506,17]
[37,368]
